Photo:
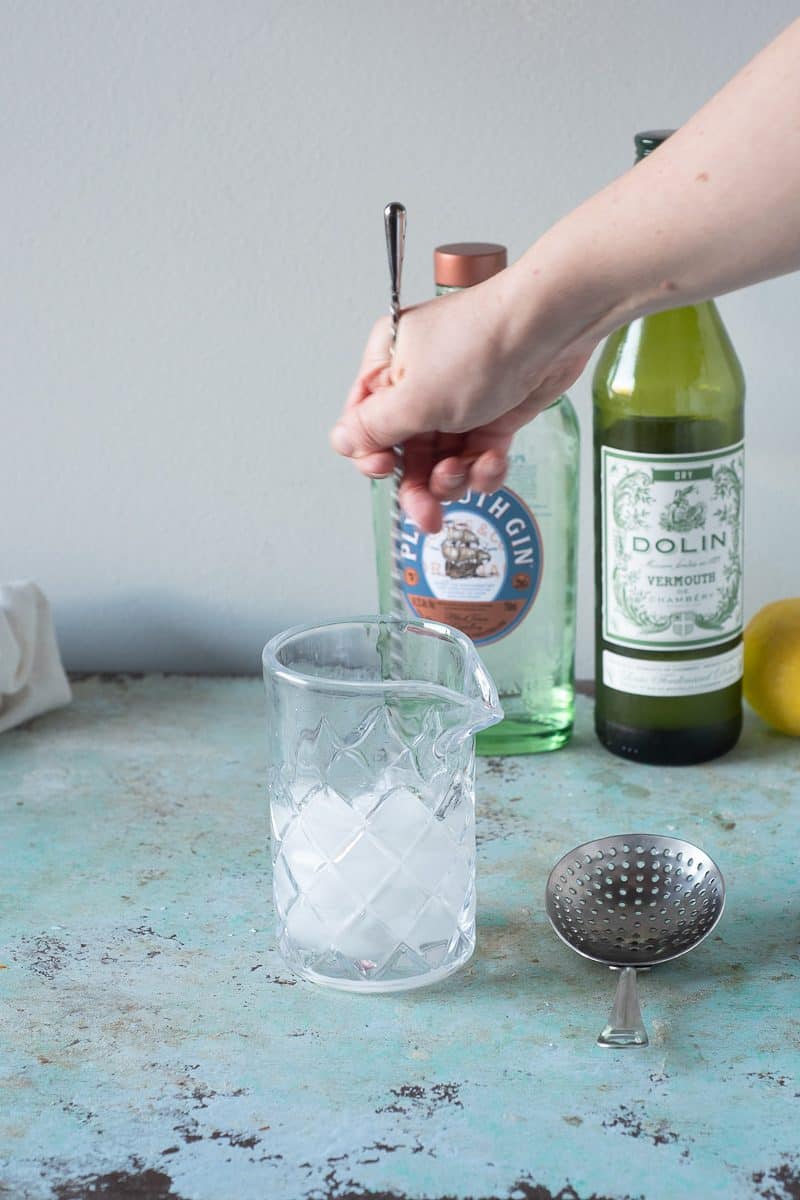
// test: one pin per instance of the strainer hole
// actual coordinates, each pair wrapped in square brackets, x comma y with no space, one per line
[640,863]
[626,848]
[640,849]
[689,862]
[613,851]
[623,878]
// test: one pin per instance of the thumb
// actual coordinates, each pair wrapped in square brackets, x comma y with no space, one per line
[383,419]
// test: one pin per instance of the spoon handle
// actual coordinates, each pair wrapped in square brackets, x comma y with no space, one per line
[394,219]
[625,1026]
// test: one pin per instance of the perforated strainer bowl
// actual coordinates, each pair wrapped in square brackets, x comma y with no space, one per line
[633,901]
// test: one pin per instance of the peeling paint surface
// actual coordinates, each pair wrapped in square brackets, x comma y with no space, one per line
[154,1047]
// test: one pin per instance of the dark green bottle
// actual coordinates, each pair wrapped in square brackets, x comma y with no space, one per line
[668,443]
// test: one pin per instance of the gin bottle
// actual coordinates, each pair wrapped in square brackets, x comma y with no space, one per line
[668,435]
[502,568]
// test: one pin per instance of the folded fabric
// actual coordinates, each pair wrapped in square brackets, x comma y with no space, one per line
[32,679]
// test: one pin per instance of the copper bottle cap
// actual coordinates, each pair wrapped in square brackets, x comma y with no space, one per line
[462,264]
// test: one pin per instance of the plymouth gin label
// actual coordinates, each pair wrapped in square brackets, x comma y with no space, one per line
[481,572]
[672,567]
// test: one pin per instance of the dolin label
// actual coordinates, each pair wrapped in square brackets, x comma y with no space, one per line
[481,572]
[672,548]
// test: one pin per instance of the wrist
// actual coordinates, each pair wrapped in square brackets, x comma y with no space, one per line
[566,292]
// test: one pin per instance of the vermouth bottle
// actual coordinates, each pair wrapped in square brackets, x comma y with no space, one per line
[502,569]
[668,437]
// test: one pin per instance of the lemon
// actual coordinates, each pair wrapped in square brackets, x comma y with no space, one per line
[772,664]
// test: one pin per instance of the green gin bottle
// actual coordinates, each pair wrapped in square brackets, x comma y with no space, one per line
[668,440]
[502,569]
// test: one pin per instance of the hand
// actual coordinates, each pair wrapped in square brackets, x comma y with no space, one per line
[454,394]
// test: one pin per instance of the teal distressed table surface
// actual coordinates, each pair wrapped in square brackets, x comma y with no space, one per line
[154,1047]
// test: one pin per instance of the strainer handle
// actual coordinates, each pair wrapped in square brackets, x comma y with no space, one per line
[625,1026]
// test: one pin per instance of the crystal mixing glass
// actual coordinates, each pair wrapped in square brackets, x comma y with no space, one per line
[371,769]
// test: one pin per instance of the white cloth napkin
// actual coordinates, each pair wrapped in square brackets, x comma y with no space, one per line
[32,679]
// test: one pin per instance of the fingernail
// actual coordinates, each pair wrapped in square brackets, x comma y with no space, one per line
[341,440]
[452,481]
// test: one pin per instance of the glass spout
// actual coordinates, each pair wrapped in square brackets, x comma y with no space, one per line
[484,703]
[475,709]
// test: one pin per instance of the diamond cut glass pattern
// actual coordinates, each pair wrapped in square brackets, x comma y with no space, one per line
[372,798]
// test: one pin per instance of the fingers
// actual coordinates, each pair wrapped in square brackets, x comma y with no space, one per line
[474,466]
[414,495]
[488,471]
[427,482]
[448,478]
[376,466]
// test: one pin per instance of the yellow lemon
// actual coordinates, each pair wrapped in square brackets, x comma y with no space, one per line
[772,664]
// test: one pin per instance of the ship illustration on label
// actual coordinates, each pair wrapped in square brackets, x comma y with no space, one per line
[481,572]
[464,556]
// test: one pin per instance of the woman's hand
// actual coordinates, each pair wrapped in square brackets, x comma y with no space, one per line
[716,208]
[455,392]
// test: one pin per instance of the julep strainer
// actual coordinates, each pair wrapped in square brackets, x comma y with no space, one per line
[633,901]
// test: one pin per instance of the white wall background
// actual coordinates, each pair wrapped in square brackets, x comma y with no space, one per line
[191,216]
